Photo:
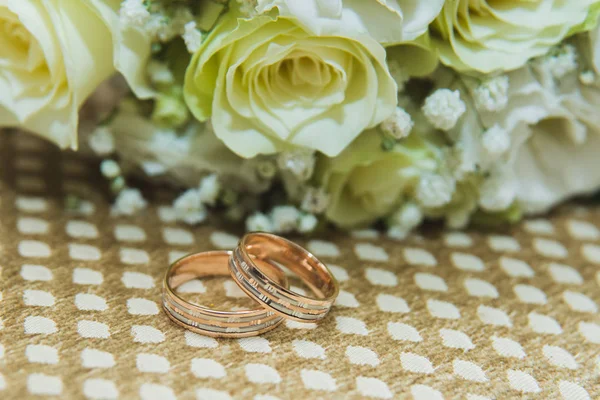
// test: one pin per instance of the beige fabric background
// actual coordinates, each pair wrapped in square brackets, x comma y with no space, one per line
[510,314]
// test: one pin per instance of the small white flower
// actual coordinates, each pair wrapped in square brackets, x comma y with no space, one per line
[587,77]
[189,208]
[497,192]
[102,141]
[460,161]
[160,73]
[495,141]
[134,13]
[407,217]
[562,63]
[300,163]
[435,190]
[285,218]
[458,219]
[397,72]
[307,223]
[397,232]
[398,125]
[129,202]
[153,168]
[209,189]
[192,37]
[248,7]
[315,200]
[259,222]
[443,108]
[492,94]
[110,169]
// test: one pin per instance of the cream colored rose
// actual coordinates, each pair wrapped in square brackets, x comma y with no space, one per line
[54,54]
[365,182]
[269,85]
[389,22]
[488,35]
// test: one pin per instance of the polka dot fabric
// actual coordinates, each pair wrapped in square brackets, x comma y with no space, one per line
[441,315]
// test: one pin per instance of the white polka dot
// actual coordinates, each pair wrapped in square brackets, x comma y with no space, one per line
[583,230]
[467,262]
[35,273]
[559,357]
[42,384]
[381,277]
[207,368]
[365,234]
[539,227]
[550,248]
[255,345]
[346,299]
[152,363]
[307,349]
[90,302]
[137,306]
[430,282]
[340,273]
[224,240]
[572,391]
[442,309]
[351,325]
[317,380]
[419,257]
[458,239]
[85,276]
[151,391]
[34,248]
[261,373]
[522,382]
[211,394]
[146,334]
[42,354]
[193,286]
[456,339]
[516,268]
[299,325]
[362,356]
[543,324]
[233,290]
[38,298]
[167,214]
[93,329]
[32,226]
[176,236]
[591,252]
[469,371]
[129,233]
[137,280]
[562,273]
[175,255]
[504,244]
[39,325]
[415,363]
[401,331]
[323,248]
[369,252]
[91,358]
[424,392]
[84,252]
[493,316]
[81,229]
[373,387]
[134,256]
[530,294]
[194,340]
[507,347]
[579,302]
[100,389]
[31,204]
[480,288]
[389,303]
[590,331]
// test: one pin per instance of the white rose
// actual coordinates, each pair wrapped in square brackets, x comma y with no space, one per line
[389,22]
[55,54]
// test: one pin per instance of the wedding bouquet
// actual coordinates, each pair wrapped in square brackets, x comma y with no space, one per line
[291,114]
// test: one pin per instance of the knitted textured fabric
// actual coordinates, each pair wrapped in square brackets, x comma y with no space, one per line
[439,315]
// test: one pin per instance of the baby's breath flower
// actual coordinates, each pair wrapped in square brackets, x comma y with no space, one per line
[562,63]
[434,190]
[117,184]
[398,125]
[153,168]
[497,193]
[102,141]
[587,77]
[248,7]
[259,222]
[307,223]
[129,202]
[285,218]
[189,208]
[443,108]
[266,169]
[209,189]
[192,37]
[134,13]
[404,220]
[160,73]
[315,200]
[492,94]
[458,219]
[300,163]
[495,141]
[110,169]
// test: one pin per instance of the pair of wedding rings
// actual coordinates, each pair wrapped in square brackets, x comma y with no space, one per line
[255,265]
